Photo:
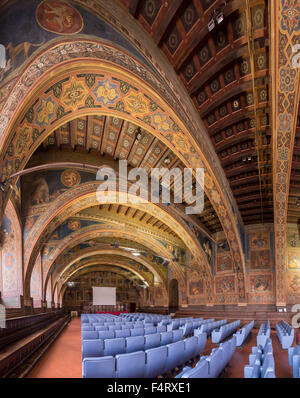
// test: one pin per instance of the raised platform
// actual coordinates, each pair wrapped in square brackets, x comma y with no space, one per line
[112,312]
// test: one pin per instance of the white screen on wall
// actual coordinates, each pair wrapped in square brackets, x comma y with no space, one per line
[104,295]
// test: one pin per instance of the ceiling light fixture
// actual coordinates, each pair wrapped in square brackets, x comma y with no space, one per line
[211,25]
[219,17]
[2,57]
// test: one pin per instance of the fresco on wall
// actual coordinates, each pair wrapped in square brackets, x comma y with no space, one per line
[258,250]
[225,284]
[159,295]
[259,240]
[195,283]
[11,262]
[293,283]
[261,283]
[224,262]
[205,242]
[196,288]
[36,284]
[260,259]
[48,294]
[70,226]
[39,189]
[58,17]
[45,21]
[223,258]
[177,252]
[293,258]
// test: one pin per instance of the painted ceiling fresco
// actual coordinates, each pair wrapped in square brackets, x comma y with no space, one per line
[236,80]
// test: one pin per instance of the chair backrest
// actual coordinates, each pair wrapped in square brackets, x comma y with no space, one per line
[131,365]
[114,327]
[98,367]
[161,329]
[100,327]
[166,338]
[87,328]
[106,334]
[88,335]
[156,359]
[199,371]
[122,333]
[150,330]
[92,348]
[215,363]
[152,340]
[202,338]
[137,332]
[268,367]
[190,348]
[177,335]
[135,343]
[114,346]
[175,355]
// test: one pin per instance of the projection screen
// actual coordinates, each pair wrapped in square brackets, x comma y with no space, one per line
[104,295]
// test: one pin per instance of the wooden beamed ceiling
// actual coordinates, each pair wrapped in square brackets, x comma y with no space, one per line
[226,73]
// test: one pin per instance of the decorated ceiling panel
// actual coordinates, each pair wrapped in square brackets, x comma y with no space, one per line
[226,72]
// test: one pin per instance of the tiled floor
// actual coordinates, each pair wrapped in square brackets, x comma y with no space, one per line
[63,359]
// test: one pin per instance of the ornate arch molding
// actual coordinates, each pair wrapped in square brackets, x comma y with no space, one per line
[67,271]
[27,119]
[91,232]
[90,266]
[84,196]
[59,261]
[285,17]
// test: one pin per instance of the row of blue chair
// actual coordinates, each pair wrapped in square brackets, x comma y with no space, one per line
[177,323]
[87,318]
[140,315]
[144,364]
[285,334]
[213,365]
[263,333]
[97,326]
[208,327]
[224,331]
[112,334]
[105,347]
[294,360]
[261,362]
[243,333]
[115,322]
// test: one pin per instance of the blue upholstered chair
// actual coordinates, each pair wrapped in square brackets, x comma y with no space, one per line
[156,359]
[131,365]
[103,367]
[114,346]
[135,343]
[152,340]
[92,348]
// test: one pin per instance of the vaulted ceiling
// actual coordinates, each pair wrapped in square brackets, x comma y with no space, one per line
[105,137]
[226,73]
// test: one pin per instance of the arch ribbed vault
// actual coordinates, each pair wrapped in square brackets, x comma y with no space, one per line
[139,104]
